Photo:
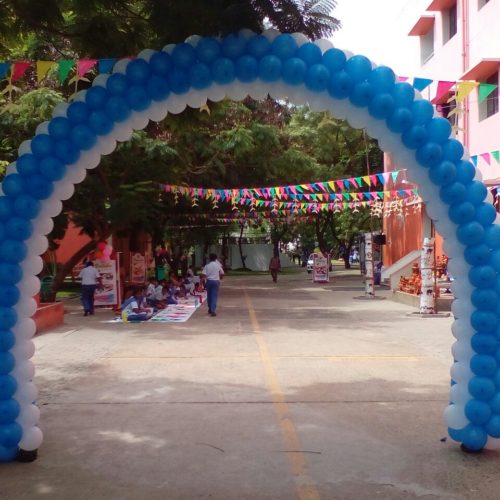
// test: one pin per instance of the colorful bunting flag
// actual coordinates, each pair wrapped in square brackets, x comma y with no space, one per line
[42,68]
[18,70]
[485,89]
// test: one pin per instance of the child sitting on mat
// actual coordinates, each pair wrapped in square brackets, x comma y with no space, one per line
[132,309]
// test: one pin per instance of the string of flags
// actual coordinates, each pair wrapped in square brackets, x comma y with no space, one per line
[487,157]
[15,70]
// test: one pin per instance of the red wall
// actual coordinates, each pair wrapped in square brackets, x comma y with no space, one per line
[71,242]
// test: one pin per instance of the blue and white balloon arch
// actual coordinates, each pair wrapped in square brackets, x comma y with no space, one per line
[246,64]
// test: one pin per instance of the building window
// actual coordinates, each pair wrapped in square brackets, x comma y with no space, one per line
[447,109]
[490,106]
[482,3]
[450,23]
[426,46]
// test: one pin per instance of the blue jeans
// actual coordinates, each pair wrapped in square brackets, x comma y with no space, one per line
[88,298]
[212,294]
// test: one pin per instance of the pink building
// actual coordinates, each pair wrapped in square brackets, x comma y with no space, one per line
[459,40]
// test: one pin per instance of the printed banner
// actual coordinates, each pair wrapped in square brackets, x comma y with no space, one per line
[321,268]
[108,294]
[137,268]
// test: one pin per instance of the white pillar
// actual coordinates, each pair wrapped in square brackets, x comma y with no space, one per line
[369,280]
[427,299]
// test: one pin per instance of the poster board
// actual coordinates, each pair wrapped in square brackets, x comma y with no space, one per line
[137,268]
[321,268]
[108,295]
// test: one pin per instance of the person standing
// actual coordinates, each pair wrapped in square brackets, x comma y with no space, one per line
[213,273]
[90,279]
[275,266]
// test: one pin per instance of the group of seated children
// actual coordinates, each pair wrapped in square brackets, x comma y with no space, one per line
[140,305]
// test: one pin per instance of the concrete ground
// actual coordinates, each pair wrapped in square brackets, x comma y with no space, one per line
[294,390]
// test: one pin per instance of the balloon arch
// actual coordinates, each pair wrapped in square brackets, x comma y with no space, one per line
[246,64]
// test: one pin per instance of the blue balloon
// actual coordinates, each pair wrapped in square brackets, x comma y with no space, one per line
[495,403]
[9,411]
[233,46]
[138,98]
[361,94]
[8,454]
[415,137]
[12,251]
[223,70]
[83,137]
[483,365]
[42,145]
[7,362]
[439,129]
[381,106]
[27,165]
[8,317]
[13,185]
[482,388]
[461,213]
[483,343]
[340,85]
[465,171]
[310,53]
[358,68]
[476,192]
[478,412]
[270,68]
[138,71]
[160,63]
[452,150]
[78,112]
[294,71]
[9,295]
[208,49]
[496,378]
[7,341]
[493,426]
[27,206]
[334,60]
[284,46]
[486,214]
[59,128]
[495,259]
[178,81]
[19,228]
[6,208]
[39,187]
[157,88]
[317,78]
[429,154]
[8,386]
[200,76]
[52,168]
[100,123]
[117,109]
[484,298]
[66,151]
[382,79]
[443,173]
[422,111]
[474,437]
[456,434]
[484,321]
[470,233]
[258,46]
[492,235]
[10,434]
[10,274]
[96,97]
[400,120]
[404,94]
[117,84]
[184,55]
[482,276]
[247,69]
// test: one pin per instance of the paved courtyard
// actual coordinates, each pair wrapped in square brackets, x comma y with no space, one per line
[294,390]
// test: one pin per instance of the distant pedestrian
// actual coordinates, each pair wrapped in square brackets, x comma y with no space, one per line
[213,273]
[275,266]
[90,280]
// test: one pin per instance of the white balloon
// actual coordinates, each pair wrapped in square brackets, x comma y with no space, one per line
[459,394]
[338,108]
[24,371]
[257,90]
[32,265]
[236,91]
[271,34]
[80,96]
[193,40]
[458,267]
[300,38]
[24,349]
[169,48]
[29,285]
[453,249]
[196,98]
[11,169]
[105,145]
[37,244]
[348,54]
[492,443]
[32,439]
[52,207]
[24,148]
[25,328]
[319,101]
[159,111]
[60,110]
[324,44]
[356,118]
[455,418]
[139,120]
[146,54]
[42,128]
[89,159]
[462,308]
[489,198]
[100,80]
[43,225]
[246,33]
[64,189]
[462,350]
[216,93]
[121,66]
[122,132]
[176,104]
[461,372]
[26,307]
[296,95]
[462,288]
[76,175]
[26,393]
[478,176]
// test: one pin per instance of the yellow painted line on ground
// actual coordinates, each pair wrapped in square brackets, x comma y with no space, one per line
[306,489]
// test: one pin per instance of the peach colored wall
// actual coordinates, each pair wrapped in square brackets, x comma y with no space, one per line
[71,242]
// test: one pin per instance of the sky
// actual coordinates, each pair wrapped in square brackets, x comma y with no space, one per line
[379,30]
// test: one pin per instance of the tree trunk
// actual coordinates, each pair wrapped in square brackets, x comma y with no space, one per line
[240,247]
[347,264]
[427,298]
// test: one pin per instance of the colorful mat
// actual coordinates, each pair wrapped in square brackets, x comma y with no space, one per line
[179,313]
